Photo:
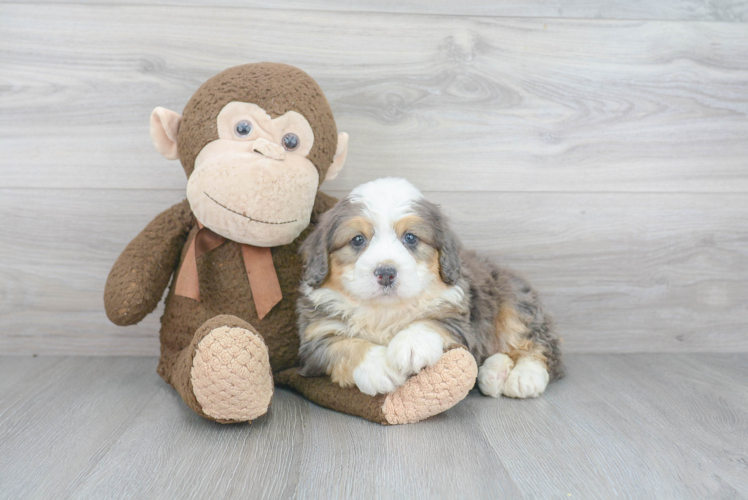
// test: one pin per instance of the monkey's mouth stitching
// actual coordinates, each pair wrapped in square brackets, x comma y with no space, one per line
[245,216]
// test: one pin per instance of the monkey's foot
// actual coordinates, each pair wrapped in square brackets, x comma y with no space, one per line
[432,390]
[231,376]
[429,392]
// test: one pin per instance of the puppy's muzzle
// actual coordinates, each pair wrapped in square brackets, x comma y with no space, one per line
[385,275]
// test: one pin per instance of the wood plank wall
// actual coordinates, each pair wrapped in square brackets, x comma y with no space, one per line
[599,147]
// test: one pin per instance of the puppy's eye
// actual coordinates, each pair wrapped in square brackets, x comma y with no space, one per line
[290,142]
[358,241]
[243,128]
[410,239]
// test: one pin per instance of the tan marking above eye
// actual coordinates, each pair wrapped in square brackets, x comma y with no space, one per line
[416,225]
[351,228]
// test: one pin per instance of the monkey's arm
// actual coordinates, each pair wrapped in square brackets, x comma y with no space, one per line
[431,391]
[140,275]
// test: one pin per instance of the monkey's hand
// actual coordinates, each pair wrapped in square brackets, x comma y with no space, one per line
[140,275]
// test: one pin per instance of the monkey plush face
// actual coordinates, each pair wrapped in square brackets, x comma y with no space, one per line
[256,142]
[255,184]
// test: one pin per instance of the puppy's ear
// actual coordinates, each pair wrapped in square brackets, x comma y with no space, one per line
[315,254]
[317,247]
[449,255]
[445,241]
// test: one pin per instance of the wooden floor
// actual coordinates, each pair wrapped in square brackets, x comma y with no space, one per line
[619,426]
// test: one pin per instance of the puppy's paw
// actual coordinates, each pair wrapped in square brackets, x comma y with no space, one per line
[374,376]
[415,348]
[493,374]
[528,379]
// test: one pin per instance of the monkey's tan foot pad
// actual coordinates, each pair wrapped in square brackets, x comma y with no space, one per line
[432,390]
[231,375]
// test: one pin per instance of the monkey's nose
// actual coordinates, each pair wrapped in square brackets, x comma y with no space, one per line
[268,149]
[385,275]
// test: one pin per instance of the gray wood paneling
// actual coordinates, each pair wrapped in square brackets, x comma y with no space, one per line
[54,261]
[461,103]
[619,426]
[680,10]
[606,159]
[621,272]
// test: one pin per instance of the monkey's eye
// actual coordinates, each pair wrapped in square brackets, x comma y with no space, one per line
[290,141]
[410,239]
[243,128]
[358,241]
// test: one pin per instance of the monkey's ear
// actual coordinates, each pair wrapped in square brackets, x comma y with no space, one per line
[164,129]
[339,159]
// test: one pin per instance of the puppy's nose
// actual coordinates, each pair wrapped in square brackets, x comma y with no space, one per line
[267,148]
[385,275]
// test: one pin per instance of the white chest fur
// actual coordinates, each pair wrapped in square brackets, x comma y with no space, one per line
[378,322]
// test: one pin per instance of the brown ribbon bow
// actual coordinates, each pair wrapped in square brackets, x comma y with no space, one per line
[258,261]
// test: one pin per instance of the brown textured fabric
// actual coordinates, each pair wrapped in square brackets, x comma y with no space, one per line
[206,240]
[258,262]
[138,279]
[325,392]
[277,88]
[140,275]
[225,289]
[431,391]
[187,284]
[263,280]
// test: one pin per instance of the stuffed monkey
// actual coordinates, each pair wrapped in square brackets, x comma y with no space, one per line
[255,141]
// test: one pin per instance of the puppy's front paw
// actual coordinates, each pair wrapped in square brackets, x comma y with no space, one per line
[528,379]
[374,376]
[493,374]
[415,348]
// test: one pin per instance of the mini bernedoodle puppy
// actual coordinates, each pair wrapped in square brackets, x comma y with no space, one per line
[386,288]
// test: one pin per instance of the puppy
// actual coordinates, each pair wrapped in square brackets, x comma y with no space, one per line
[386,289]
